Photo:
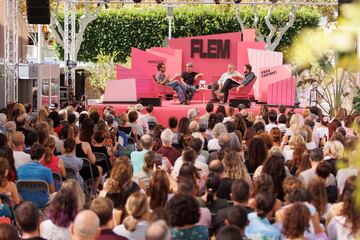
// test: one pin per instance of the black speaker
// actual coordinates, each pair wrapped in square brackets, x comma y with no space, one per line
[151,101]
[38,11]
[235,102]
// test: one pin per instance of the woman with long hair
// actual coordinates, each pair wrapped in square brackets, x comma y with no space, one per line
[288,145]
[209,199]
[240,124]
[297,156]
[317,189]
[235,167]
[159,189]
[87,130]
[61,212]
[256,154]
[276,136]
[147,171]
[346,223]
[135,224]
[7,187]
[183,128]
[221,109]
[50,160]
[42,115]
[190,173]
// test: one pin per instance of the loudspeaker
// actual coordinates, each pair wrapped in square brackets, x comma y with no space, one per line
[38,11]
[151,101]
[235,102]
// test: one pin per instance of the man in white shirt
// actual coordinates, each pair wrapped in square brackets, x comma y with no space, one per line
[230,74]
[20,157]
[142,119]
[272,121]
[316,156]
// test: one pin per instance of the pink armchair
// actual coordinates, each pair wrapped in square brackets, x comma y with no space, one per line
[246,92]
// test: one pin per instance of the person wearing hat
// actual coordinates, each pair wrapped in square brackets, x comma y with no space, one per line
[189,77]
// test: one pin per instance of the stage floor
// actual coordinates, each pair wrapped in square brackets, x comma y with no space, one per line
[171,108]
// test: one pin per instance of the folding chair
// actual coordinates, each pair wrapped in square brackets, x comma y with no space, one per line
[57,180]
[36,191]
[89,194]
[100,158]
[123,138]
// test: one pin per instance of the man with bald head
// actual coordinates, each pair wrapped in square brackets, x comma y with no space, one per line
[158,230]
[137,157]
[85,226]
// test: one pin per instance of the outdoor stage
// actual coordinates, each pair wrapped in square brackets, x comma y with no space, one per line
[171,108]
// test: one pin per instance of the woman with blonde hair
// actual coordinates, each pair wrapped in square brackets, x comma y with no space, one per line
[235,167]
[135,224]
[294,141]
[333,152]
[42,115]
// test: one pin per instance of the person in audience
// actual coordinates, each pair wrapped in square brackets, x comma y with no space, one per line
[50,160]
[98,146]
[316,156]
[256,154]
[230,232]
[86,226]
[126,128]
[28,219]
[317,189]
[158,230]
[7,187]
[135,224]
[147,172]
[224,189]
[345,224]
[159,189]
[178,86]
[235,167]
[167,150]
[272,121]
[209,109]
[137,128]
[149,117]
[35,171]
[71,161]
[297,158]
[103,208]
[141,118]
[137,157]
[218,129]
[237,216]
[20,157]
[8,231]
[276,136]
[184,214]
[259,224]
[333,152]
[209,199]
[62,211]
[7,153]
[240,192]
[288,145]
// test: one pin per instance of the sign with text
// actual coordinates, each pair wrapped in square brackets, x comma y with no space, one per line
[216,48]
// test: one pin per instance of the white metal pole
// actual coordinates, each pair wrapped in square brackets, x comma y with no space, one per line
[39,44]
[170,26]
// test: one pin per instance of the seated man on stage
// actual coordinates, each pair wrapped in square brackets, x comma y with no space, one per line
[231,82]
[188,78]
[163,79]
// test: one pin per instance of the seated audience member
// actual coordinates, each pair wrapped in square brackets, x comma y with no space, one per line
[149,117]
[71,161]
[61,212]
[230,232]
[272,121]
[259,224]
[86,226]
[99,146]
[158,230]
[103,208]
[7,187]
[135,224]
[323,171]
[8,231]
[209,109]
[137,157]
[28,219]
[333,151]
[344,223]
[147,172]
[316,156]
[35,171]
[184,214]
[163,79]
[237,216]
[50,160]
[317,189]
[159,189]
[18,142]
[240,192]
[217,131]
[256,154]
[166,149]
[297,222]
[224,189]
[209,199]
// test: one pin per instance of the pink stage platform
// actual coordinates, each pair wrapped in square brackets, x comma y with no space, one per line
[171,108]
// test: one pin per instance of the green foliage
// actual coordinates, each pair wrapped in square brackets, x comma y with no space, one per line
[144,27]
[102,71]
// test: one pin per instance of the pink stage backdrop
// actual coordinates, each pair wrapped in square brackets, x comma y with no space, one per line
[263,58]
[144,62]
[210,54]
[282,92]
[242,52]
[171,56]
[269,75]
[126,96]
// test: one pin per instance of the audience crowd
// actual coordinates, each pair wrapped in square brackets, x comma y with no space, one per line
[229,174]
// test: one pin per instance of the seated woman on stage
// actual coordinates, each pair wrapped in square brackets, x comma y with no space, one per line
[163,79]
[229,80]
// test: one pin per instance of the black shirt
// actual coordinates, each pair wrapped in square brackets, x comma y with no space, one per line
[225,188]
[189,77]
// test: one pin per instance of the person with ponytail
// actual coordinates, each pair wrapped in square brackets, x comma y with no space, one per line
[135,224]
[7,187]
[159,189]
[259,225]
[209,199]
[50,160]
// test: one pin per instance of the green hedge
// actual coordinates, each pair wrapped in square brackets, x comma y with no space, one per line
[145,27]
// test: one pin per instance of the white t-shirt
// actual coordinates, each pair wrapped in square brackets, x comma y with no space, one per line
[138,234]
[309,174]
[227,75]
[342,175]
[338,229]
[270,126]
[49,230]
[21,158]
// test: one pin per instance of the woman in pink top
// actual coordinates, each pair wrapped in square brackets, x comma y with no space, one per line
[51,161]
